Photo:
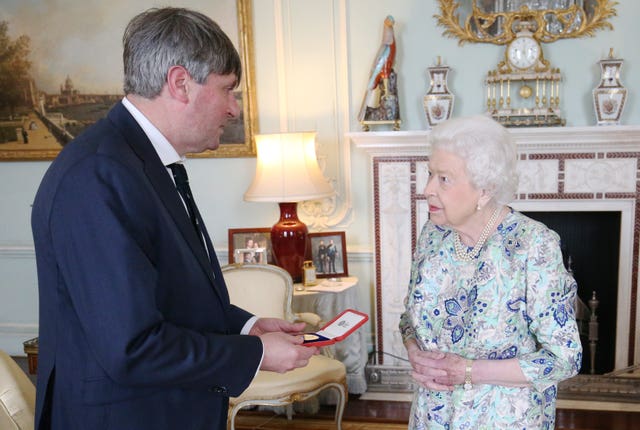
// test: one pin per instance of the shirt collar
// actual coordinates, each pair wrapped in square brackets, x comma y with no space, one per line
[163,148]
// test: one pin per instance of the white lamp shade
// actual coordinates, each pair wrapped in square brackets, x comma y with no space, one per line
[287,169]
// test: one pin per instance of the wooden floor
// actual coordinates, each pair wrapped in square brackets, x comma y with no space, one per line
[311,424]
[394,415]
[358,415]
[385,415]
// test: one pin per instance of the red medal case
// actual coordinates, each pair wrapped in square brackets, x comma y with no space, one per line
[337,329]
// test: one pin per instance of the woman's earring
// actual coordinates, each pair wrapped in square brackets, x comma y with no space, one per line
[478,207]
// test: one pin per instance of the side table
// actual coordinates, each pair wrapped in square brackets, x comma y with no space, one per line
[328,299]
[31,349]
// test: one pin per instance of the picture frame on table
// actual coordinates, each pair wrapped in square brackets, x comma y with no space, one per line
[250,245]
[58,88]
[329,254]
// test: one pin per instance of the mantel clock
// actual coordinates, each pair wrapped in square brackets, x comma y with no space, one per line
[524,90]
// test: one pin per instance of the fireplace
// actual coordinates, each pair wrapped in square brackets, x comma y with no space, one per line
[578,179]
[590,244]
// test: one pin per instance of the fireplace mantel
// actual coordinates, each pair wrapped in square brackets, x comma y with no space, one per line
[576,168]
[548,139]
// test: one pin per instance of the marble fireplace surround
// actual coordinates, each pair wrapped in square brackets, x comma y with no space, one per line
[561,169]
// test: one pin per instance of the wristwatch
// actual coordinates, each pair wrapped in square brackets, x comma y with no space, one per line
[467,375]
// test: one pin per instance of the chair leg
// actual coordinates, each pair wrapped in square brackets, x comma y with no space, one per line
[342,397]
[232,417]
[340,405]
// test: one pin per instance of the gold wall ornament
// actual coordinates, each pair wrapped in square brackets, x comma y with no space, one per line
[466,21]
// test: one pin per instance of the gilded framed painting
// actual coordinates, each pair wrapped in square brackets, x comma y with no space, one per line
[65,65]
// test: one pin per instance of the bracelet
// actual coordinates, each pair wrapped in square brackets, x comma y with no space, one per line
[467,375]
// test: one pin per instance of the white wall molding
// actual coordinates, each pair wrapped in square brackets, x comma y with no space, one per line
[293,74]
[12,335]
[17,252]
[354,254]
[360,255]
[547,139]
[343,216]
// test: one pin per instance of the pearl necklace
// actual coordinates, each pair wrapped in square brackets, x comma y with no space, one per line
[462,251]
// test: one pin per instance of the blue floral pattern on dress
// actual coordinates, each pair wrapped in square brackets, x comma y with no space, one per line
[515,300]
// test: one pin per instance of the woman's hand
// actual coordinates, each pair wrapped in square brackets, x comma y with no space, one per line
[442,371]
[436,370]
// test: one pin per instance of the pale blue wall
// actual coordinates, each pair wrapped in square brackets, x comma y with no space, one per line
[311,99]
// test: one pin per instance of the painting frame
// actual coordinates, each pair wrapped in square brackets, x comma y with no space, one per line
[261,236]
[19,150]
[247,87]
[326,267]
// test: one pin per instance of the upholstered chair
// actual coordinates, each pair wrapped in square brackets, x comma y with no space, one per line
[17,396]
[266,291]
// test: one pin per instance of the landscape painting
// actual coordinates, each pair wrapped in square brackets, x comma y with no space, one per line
[61,70]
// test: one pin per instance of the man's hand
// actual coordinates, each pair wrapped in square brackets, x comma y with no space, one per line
[284,352]
[268,325]
[282,343]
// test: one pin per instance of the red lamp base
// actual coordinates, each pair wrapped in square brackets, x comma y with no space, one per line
[290,242]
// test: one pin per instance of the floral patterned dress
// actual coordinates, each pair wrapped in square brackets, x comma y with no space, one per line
[516,300]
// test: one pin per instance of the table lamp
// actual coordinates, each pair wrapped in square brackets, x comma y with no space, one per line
[287,172]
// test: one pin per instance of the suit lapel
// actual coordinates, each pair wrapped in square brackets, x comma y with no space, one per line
[166,190]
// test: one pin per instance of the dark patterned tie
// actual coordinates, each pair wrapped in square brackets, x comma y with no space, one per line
[182,184]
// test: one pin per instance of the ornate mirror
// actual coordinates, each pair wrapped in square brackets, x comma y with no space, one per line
[495,21]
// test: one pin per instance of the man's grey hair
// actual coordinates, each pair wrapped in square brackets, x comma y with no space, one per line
[160,38]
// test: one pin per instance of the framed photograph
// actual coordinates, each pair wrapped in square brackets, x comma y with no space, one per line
[250,245]
[59,87]
[329,254]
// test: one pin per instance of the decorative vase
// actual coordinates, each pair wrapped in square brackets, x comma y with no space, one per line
[609,96]
[289,240]
[438,102]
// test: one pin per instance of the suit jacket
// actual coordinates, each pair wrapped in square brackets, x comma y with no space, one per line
[136,327]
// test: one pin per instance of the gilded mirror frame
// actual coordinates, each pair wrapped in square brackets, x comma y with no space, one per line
[498,27]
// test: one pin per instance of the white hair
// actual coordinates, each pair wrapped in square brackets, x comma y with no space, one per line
[487,149]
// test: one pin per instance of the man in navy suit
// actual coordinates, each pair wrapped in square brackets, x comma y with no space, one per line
[136,327]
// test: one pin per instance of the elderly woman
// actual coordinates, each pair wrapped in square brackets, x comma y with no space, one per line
[489,320]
